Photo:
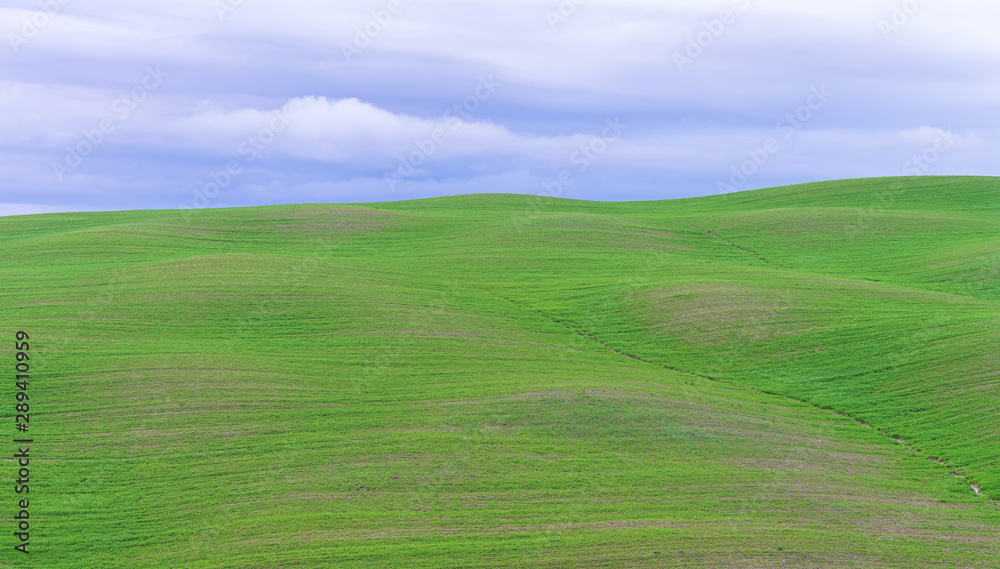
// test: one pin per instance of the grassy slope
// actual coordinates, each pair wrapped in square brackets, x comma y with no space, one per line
[884,307]
[441,383]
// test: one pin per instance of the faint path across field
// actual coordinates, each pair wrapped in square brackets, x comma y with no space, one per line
[593,338]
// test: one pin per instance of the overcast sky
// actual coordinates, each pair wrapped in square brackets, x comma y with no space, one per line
[115,104]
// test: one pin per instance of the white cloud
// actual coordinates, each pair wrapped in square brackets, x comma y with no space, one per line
[345,131]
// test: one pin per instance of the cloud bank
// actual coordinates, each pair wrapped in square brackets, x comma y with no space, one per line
[117,105]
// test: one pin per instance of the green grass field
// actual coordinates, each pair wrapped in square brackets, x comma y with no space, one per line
[803,376]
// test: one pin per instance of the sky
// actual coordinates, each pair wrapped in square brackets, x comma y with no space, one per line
[117,105]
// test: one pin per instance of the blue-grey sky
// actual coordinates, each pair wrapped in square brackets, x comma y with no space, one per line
[115,104]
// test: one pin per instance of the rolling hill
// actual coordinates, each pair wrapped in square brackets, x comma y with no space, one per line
[800,376]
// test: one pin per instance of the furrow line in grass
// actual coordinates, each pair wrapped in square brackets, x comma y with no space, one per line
[727,242]
[975,488]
